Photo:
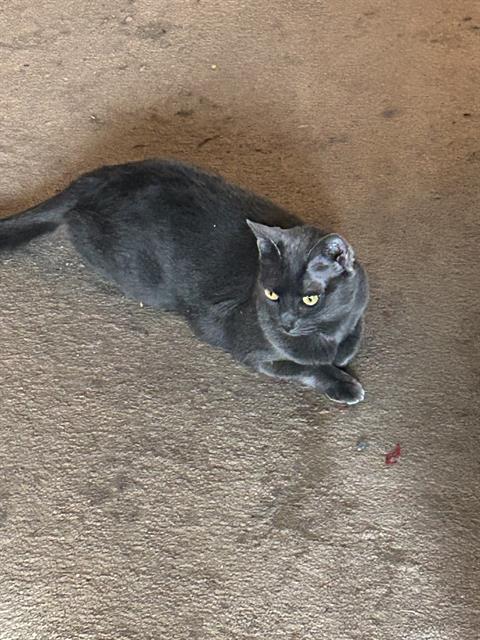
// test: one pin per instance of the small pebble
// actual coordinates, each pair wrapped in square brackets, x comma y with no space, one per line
[214,66]
[362,445]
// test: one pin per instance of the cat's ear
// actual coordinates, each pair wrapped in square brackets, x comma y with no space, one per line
[334,253]
[267,237]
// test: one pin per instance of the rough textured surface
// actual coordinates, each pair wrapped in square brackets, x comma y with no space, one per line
[149,487]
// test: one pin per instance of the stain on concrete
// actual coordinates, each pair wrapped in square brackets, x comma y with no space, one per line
[98,495]
[206,140]
[153,31]
[338,139]
[184,113]
[391,112]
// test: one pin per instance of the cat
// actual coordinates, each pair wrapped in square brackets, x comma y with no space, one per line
[280,296]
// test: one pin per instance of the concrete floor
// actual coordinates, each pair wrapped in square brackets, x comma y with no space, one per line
[149,487]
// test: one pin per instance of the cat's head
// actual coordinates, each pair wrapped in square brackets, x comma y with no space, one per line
[305,276]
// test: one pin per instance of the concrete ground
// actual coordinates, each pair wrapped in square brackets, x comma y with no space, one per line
[150,488]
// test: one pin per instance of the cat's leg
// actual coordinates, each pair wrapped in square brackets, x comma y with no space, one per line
[336,384]
[348,348]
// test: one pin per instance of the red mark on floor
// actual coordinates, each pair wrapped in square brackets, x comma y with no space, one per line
[392,456]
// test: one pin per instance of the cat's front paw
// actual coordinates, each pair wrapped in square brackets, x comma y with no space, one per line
[345,391]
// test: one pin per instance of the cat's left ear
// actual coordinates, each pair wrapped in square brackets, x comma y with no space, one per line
[267,237]
[332,252]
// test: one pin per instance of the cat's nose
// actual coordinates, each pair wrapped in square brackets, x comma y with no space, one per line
[287,321]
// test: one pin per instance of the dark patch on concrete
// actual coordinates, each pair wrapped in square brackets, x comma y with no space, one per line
[122,482]
[184,113]
[391,112]
[142,331]
[207,140]
[98,495]
[152,31]
[290,517]
[397,556]
[154,116]
[3,516]
[340,139]
[203,100]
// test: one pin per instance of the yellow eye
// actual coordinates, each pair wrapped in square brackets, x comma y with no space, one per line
[310,300]
[271,295]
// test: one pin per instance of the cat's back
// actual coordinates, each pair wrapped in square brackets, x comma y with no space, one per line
[167,190]
[161,220]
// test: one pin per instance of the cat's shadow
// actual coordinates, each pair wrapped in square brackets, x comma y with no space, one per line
[245,147]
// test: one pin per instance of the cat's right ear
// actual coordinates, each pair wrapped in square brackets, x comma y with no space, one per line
[267,238]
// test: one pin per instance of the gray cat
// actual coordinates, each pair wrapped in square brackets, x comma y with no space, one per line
[280,296]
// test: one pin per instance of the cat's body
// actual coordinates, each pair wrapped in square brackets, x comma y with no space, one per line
[177,238]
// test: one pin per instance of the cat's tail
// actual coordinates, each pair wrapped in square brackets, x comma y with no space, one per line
[39,220]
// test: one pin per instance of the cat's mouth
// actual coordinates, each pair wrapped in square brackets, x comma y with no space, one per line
[296,333]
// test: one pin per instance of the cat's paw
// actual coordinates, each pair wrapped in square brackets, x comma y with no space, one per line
[346,391]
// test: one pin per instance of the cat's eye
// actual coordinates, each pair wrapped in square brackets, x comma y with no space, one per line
[271,295]
[311,300]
